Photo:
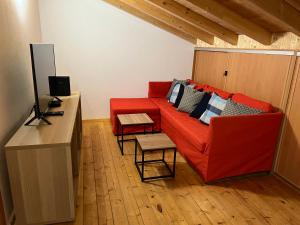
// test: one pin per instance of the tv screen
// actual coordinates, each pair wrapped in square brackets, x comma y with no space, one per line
[43,66]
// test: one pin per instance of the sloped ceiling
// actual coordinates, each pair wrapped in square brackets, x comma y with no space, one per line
[225,19]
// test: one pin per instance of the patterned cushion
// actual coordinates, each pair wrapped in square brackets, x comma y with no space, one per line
[175,81]
[190,99]
[214,108]
[175,93]
[233,109]
[201,106]
[180,94]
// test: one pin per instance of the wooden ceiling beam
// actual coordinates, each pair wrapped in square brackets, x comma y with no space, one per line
[152,20]
[294,3]
[169,19]
[241,24]
[196,19]
[278,11]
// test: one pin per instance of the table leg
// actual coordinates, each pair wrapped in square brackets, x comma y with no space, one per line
[118,130]
[143,159]
[122,140]
[135,151]
[174,162]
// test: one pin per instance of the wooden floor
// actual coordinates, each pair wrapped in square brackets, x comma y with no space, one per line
[110,192]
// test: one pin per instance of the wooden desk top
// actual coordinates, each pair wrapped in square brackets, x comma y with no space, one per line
[150,142]
[41,135]
[134,119]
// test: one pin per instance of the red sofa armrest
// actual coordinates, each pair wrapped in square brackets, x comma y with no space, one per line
[158,89]
[242,144]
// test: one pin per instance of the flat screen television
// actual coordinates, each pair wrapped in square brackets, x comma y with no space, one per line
[43,66]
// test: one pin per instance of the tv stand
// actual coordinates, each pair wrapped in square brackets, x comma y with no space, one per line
[43,167]
[37,116]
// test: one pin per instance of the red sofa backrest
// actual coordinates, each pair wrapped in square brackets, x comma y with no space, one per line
[221,93]
[158,89]
[254,103]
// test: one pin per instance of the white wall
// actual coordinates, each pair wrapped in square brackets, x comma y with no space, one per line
[109,53]
[19,25]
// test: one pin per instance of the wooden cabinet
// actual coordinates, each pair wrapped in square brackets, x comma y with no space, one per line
[261,76]
[43,165]
[264,75]
[209,68]
[289,152]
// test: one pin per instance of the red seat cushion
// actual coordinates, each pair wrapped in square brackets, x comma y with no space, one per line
[134,105]
[188,127]
[257,104]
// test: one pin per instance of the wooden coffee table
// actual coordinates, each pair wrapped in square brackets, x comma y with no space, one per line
[150,143]
[127,120]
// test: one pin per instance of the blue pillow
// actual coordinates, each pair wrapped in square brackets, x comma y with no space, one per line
[214,108]
[179,96]
[175,81]
[175,93]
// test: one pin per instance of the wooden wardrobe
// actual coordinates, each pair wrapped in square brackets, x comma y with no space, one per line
[268,75]
[288,162]
[261,74]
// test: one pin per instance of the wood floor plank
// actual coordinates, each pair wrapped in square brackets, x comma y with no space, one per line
[207,203]
[289,196]
[102,195]
[110,192]
[279,206]
[160,193]
[79,212]
[132,210]
[145,209]
[119,208]
[89,194]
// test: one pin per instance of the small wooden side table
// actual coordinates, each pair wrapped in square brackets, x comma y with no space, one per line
[150,143]
[127,120]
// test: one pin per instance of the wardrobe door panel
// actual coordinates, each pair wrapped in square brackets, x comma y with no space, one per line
[209,68]
[260,76]
[289,154]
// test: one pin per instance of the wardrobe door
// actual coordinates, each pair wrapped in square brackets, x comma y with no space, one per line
[289,154]
[209,68]
[260,76]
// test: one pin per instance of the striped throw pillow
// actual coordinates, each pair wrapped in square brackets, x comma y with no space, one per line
[214,108]
[175,81]
[174,93]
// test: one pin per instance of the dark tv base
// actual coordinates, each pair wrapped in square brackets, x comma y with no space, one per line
[54,104]
[38,118]
[42,116]
[57,113]
[58,99]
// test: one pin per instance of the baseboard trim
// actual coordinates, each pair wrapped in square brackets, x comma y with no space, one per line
[286,181]
[96,120]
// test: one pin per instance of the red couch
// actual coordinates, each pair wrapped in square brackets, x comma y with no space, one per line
[229,146]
